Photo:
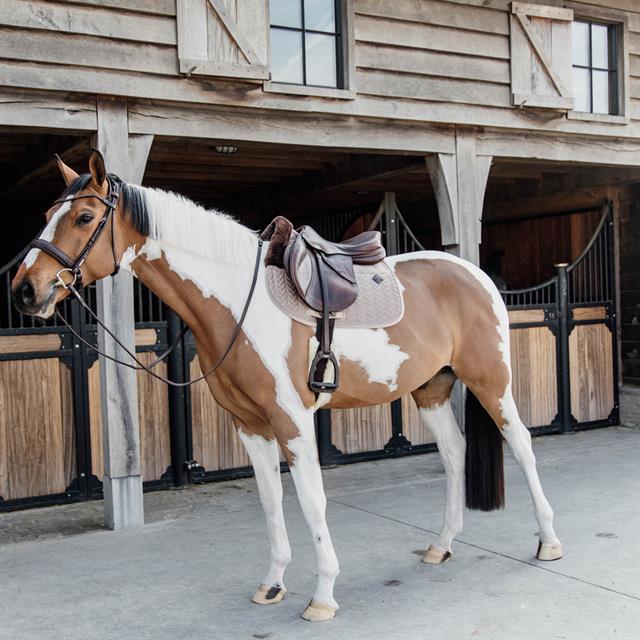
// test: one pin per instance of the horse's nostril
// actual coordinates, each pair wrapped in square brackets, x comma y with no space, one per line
[27,292]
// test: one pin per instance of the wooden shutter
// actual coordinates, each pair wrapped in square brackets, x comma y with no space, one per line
[225,38]
[541,56]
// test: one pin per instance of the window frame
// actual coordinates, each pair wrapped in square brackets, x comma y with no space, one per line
[618,22]
[345,57]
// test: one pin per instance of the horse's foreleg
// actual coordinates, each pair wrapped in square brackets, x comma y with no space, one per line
[265,460]
[437,415]
[305,470]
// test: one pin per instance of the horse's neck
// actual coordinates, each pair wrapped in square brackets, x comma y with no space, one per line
[197,289]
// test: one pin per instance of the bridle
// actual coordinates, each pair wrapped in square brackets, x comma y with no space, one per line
[74,267]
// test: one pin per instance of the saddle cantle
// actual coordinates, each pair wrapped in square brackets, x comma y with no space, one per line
[323,277]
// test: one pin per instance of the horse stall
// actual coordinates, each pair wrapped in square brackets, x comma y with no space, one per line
[553,256]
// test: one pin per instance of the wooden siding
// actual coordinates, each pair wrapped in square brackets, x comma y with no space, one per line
[37,442]
[591,358]
[361,429]
[533,357]
[442,61]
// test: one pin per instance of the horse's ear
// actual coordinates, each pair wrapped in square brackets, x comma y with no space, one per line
[97,169]
[67,172]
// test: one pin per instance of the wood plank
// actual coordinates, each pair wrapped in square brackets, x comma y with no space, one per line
[517,316]
[153,410]
[591,372]
[20,108]
[422,36]
[431,63]
[589,313]
[87,51]
[70,464]
[533,356]
[27,343]
[34,429]
[94,21]
[416,87]
[159,7]
[437,13]
[361,429]
[145,337]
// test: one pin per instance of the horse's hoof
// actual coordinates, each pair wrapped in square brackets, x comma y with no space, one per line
[318,612]
[549,551]
[268,595]
[435,555]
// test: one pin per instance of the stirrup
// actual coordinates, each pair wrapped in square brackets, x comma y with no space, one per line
[319,386]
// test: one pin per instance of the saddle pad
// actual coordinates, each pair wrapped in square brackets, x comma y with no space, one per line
[379,303]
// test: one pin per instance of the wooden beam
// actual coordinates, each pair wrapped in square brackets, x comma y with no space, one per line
[122,481]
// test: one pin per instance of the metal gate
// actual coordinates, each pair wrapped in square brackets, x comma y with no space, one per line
[564,341]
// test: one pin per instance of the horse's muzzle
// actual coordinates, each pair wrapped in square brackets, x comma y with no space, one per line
[24,297]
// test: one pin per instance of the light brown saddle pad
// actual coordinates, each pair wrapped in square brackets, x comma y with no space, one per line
[379,303]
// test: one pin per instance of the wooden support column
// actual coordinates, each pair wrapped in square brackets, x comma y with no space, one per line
[125,156]
[459,181]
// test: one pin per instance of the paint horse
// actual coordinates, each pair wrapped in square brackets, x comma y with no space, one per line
[201,263]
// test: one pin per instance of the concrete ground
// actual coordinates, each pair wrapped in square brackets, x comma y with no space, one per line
[192,570]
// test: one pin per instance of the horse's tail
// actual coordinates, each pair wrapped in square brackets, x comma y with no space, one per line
[484,468]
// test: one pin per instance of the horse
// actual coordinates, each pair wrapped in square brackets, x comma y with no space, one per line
[200,263]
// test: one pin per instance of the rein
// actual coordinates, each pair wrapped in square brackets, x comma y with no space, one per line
[74,268]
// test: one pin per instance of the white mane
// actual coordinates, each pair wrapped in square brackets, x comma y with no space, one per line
[182,224]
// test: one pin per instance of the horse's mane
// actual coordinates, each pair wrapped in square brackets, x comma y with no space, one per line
[180,223]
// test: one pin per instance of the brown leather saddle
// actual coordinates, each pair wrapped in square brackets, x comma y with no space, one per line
[323,275]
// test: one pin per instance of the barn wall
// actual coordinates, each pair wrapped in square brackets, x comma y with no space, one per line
[441,61]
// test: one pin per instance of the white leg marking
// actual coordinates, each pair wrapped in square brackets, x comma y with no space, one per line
[308,480]
[266,464]
[519,439]
[441,421]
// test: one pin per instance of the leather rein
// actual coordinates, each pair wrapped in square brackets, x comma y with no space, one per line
[74,267]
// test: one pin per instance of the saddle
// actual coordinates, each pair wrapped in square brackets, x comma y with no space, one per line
[323,275]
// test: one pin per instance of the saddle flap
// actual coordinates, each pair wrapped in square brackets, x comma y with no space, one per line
[337,273]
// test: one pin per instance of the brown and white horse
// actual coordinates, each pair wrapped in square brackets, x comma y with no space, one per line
[201,264]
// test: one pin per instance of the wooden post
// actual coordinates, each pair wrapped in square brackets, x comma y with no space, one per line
[459,181]
[122,481]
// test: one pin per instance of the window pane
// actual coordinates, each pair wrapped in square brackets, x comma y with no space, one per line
[321,60]
[286,56]
[319,15]
[285,13]
[600,46]
[600,92]
[581,89]
[580,43]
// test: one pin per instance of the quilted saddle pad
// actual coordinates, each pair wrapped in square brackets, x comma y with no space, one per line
[379,303]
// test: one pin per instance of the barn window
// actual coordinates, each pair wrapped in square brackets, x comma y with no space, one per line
[306,42]
[595,69]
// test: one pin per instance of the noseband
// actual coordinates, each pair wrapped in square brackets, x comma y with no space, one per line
[74,267]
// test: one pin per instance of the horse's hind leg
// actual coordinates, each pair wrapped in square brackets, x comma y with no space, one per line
[265,459]
[519,439]
[434,404]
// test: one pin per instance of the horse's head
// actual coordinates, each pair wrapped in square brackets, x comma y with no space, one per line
[77,244]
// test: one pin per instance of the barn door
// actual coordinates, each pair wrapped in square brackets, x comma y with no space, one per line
[541,56]
[224,38]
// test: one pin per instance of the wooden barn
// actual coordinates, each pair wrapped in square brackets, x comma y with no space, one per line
[504,132]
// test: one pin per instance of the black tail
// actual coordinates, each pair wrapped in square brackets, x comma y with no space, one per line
[484,469]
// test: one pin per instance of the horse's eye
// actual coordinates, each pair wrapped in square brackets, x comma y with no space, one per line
[84,219]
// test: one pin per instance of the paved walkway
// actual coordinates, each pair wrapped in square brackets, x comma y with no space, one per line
[191,571]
